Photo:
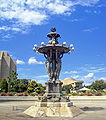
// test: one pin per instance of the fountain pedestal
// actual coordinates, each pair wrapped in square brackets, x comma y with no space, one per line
[53,91]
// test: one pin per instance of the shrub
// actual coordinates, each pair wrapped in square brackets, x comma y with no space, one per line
[9,94]
[89,94]
[21,94]
[72,94]
[3,94]
[33,94]
[81,94]
[98,94]
[25,94]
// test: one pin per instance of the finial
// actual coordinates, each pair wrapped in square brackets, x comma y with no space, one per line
[53,36]
[53,29]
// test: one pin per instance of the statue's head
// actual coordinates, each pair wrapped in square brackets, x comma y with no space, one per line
[53,29]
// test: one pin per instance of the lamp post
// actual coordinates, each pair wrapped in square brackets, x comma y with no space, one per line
[53,52]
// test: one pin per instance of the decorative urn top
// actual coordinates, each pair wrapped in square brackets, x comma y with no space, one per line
[53,41]
[53,36]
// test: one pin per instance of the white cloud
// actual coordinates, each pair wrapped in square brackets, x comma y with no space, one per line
[23,69]
[5,28]
[38,11]
[76,20]
[89,75]
[57,8]
[14,28]
[20,62]
[90,29]
[103,78]
[42,76]
[21,11]
[5,37]
[87,2]
[32,60]
[70,72]
[93,11]
[76,77]
[93,69]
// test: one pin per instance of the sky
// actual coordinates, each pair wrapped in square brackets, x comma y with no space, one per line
[82,23]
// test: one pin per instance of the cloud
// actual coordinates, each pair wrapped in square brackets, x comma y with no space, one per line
[59,7]
[103,78]
[76,77]
[20,62]
[23,69]
[90,29]
[100,68]
[5,28]
[42,76]
[76,20]
[70,72]
[93,11]
[32,60]
[87,2]
[89,75]
[38,11]
[6,37]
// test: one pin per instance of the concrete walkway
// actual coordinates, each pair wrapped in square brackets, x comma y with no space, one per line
[93,110]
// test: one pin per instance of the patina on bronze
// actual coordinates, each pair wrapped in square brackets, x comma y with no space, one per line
[53,54]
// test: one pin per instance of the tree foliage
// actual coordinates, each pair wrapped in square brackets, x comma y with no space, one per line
[67,88]
[23,85]
[3,85]
[12,82]
[98,85]
[34,87]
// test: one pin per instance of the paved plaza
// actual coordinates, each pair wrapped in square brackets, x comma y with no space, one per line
[13,110]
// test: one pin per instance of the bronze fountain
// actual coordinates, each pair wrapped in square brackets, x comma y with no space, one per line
[53,52]
[53,103]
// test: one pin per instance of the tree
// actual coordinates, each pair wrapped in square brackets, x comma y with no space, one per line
[34,87]
[12,82]
[98,85]
[13,76]
[3,85]
[40,89]
[23,85]
[67,88]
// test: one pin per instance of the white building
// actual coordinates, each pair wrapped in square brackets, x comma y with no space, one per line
[74,83]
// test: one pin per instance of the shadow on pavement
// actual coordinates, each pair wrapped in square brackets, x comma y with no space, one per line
[92,108]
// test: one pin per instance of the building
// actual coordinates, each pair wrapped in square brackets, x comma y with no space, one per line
[74,83]
[7,65]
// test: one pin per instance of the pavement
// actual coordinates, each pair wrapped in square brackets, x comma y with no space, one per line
[13,110]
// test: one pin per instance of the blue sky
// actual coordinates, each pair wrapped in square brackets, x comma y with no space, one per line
[24,23]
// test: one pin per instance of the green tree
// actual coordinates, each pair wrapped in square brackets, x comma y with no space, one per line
[34,87]
[3,85]
[67,88]
[98,85]
[40,89]
[23,85]
[12,82]
[13,76]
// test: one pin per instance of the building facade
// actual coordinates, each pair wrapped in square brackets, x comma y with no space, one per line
[7,65]
[76,84]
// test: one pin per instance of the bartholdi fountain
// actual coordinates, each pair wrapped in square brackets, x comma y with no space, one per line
[53,103]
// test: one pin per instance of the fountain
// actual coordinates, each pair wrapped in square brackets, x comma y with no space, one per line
[53,103]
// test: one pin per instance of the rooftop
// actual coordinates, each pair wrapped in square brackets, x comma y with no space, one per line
[70,80]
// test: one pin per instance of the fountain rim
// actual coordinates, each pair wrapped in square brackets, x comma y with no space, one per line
[60,48]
